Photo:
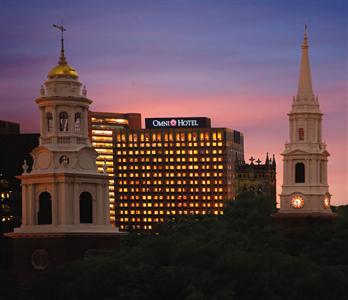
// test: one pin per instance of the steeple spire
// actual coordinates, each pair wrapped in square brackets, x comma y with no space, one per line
[305,81]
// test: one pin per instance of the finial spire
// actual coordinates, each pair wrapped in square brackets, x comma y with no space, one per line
[267,159]
[62,59]
[305,38]
[305,81]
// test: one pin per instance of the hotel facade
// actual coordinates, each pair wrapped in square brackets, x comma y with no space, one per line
[173,167]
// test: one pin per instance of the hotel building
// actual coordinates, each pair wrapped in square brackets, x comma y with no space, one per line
[101,126]
[174,167]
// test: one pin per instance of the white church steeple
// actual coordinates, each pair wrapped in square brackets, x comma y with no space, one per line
[305,188]
[64,192]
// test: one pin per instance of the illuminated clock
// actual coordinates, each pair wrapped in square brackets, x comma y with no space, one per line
[64,160]
[326,202]
[297,202]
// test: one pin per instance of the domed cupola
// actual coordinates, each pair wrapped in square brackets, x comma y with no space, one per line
[63,69]
[62,80]
[64,106]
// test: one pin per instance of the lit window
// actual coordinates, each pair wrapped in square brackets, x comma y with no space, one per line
[78,122]
[63,121]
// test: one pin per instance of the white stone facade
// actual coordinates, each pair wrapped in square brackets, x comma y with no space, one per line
[305,186]
[64,192]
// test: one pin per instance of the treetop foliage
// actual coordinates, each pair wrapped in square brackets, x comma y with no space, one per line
[243,254]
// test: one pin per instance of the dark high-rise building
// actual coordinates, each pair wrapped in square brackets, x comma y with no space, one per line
[101,126]
[174,167]
[10,205]
[6,213]
[257,177]
[14,149]
[9,127]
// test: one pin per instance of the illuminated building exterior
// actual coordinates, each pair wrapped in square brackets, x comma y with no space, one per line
[174,170]
[6,215]
[305,189]
[63,193]
[101,126]
[65,201]
[16,147]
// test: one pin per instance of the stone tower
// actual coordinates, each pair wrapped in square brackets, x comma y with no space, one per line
[64,192]
[259,178]
[305,189]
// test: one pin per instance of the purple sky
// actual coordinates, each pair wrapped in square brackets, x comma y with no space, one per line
[234,61]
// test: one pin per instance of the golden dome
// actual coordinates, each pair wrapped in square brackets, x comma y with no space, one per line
[62,70]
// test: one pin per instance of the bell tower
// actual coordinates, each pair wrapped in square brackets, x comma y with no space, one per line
[64,192]
[305,189]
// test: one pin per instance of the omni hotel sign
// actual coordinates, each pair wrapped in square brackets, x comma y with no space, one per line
[151,123]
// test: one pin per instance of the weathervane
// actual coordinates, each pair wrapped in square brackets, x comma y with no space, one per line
[61,28]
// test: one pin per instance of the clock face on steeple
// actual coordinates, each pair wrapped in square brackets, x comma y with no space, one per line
[297,202]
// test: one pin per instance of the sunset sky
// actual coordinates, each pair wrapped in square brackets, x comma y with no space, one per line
[236,62]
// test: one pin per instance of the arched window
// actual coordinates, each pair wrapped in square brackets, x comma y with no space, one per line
[299,173]
[86,208]
[78,122]
[63,121]
[44,215]
[49,118]
[301,134]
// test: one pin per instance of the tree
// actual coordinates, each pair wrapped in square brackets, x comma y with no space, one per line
[240,255]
